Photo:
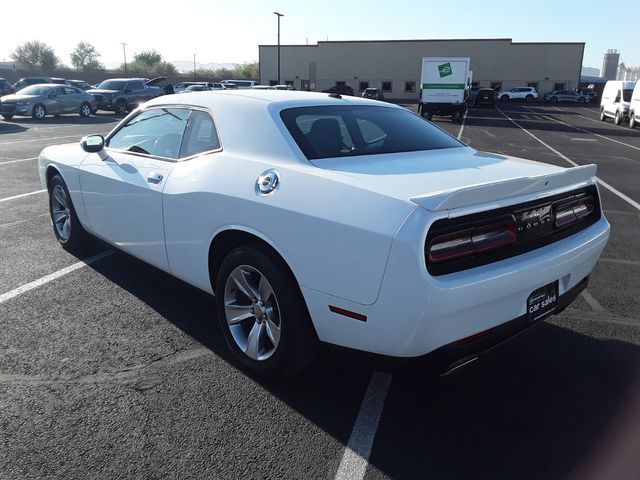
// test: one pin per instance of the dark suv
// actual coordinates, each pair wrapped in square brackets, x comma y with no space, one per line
[5,87]
[27,81]
[340,89]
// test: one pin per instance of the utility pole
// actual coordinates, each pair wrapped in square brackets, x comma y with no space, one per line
[195,75]
[279,15]
[124,51]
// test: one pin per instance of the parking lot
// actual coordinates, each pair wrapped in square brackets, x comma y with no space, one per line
[113,369]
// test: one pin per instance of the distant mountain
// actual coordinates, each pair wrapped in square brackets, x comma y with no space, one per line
[590,72]
[186,66]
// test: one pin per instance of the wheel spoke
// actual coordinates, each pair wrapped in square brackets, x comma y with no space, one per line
[59,216]
[60,198]
[66,228]
[264,289]
[239,278]
[253,340]
[237,313]
[273,331]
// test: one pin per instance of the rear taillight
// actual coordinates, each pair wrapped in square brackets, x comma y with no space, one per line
[570,211]
[472,240]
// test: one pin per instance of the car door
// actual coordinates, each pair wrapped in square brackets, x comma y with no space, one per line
[122,193]
[56,101]
[136,93]
[72,99]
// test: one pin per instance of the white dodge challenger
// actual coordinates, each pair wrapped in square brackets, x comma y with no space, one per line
[315,217]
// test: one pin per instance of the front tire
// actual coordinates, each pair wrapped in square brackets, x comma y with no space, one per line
[632,119]
[581,99]
[7,117]
[554,99]
[504,98]
[39,111]
[603,117]
[618,118]
[121,108]
[262,314]
[66,226]
[528,98]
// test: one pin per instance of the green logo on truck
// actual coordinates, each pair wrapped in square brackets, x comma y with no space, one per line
[445,70]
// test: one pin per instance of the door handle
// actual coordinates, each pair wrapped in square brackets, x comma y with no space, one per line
[154,177]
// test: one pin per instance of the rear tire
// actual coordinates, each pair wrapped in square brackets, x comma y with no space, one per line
[618,118]
[504,98]
[581,100]
[554,99]
[272,334]
[632,119]
[121,108]
[66,226]
[528,98]
[85,110]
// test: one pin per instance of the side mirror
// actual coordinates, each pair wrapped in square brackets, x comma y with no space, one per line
[92,143]
[52,95]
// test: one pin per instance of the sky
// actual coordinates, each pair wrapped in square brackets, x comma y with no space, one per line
[230,31]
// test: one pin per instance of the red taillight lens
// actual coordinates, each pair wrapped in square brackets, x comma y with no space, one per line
[569,212]
[472,240]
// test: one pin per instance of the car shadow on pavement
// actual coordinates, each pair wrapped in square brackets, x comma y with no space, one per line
[62,120]
[551,404]
[544,406]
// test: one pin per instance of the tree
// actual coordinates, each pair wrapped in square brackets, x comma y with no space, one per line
[149,58]
[35,55]
[150,63]
[85,57]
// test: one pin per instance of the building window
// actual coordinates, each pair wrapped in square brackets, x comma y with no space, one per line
[273,82]
[497,86]
[288,82]
[386,86]
[558,86]
[409,86]
[532,85]
[364,85]
[341,84]
[475,84]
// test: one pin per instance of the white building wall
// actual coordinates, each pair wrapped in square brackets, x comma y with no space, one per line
[493,60]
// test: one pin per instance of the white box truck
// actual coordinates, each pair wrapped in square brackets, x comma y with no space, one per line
[444,82]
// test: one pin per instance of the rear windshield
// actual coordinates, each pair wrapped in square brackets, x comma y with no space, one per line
[626,94]
[112,84]
[352,130]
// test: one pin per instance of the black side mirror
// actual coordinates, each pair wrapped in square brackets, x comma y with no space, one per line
[92,143]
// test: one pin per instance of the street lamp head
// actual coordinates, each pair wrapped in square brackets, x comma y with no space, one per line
[279,14]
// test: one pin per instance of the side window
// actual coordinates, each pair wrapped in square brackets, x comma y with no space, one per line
[372,134]
[618,96]
[158,131]
[70,90]
[59,91]
[201,135]
[135,86]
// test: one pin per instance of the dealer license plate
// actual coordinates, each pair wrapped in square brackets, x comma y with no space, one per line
[542,302]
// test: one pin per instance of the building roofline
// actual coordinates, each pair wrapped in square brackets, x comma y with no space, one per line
[510,40]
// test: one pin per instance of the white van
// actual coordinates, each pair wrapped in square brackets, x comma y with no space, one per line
[634,106]
[241,83]
[615,100]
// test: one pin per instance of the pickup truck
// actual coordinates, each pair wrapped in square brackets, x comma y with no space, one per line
[121,95]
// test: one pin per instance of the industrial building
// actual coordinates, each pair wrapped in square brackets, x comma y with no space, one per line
[394,65]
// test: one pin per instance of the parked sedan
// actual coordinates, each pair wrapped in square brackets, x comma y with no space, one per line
[528,94]
[484,96]
[340,90]
[37,101]
[373,93]
[5,87]
[343,220]
[565,96]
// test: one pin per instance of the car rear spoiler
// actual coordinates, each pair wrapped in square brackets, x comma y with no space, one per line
[488,192]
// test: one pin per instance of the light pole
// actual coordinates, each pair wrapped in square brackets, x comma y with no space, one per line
[279,15]
[195,75]
[124,51]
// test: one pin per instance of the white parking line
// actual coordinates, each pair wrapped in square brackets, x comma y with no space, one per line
[630,201]
[593,303]
[48,278]
[582,129]
[464,117]
[19,160]
[40,139]
[356,456]
[21,195]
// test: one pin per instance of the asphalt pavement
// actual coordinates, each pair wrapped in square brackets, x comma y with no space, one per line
[117,370]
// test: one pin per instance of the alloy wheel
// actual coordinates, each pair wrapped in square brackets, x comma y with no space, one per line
[252,313]
[60,212]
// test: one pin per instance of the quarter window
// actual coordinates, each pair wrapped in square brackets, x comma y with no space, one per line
[201,135]
[135,86]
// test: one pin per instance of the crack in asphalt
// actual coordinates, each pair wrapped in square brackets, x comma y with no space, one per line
[121,376]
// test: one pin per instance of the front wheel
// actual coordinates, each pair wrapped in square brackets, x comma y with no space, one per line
[632,119]
[603,117]
[39,111]
[528,98]
[262,314]
[7,116]
[121,107]
[85,109]
[66,225]
[554,99]
[504,98]
[581,100]
[618,118]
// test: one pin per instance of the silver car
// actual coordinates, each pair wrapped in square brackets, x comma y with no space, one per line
[40,100]
[565,96]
